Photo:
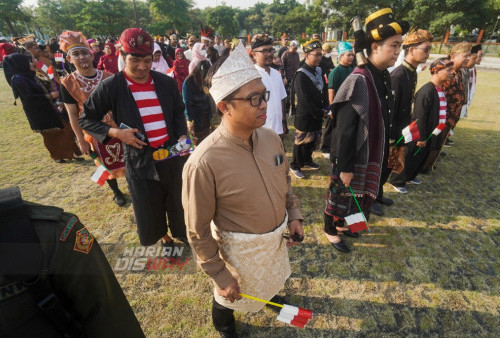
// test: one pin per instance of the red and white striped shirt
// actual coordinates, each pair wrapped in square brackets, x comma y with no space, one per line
[442,105]
[150,110]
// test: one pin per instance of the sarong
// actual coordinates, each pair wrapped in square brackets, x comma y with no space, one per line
[259,262]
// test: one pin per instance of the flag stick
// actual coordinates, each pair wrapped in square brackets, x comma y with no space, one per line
[427,139]
[361,211]
[97,159]
[402,137]
[261,300]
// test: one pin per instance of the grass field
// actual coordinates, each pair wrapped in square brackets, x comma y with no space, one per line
[429,268]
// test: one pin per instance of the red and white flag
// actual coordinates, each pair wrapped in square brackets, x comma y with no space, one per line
[294,315]
[101,175]
[356,222]
[47,70]
[411,132]
[59,57]
[438,129]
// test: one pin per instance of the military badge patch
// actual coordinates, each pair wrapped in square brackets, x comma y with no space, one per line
[67,229]
[83,241]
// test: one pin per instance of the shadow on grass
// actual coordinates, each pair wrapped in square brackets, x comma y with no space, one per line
[376,319]
[451,259]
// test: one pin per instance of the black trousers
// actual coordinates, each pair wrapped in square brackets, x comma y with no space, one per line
[302,154]
[154,200]
[327,136]
[385,172]
[222,317]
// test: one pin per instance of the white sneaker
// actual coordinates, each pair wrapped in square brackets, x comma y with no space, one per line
[298,173]
[415,181]
[326,155]
[401,190]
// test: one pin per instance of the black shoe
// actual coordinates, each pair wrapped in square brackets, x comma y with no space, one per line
[119,199]
[442,154]
[377,209]
[231,333]
[385,201]
[340,246]
[349,233]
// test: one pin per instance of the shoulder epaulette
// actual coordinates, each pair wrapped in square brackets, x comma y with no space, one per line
[42,212]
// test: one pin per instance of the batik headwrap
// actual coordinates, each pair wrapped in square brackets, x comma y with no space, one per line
[461,47]
[416,37]
[70,40]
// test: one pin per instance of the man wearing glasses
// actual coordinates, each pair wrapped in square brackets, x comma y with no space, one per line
[263,52]
[417,47]
[238,198]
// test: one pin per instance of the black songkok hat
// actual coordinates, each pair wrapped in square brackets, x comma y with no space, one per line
[382,25]
[261,40]
[475,49]
[310,45]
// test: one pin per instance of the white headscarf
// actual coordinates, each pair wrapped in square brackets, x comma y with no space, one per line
[162,65]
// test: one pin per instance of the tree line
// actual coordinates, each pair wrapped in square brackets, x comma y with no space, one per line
[159,17]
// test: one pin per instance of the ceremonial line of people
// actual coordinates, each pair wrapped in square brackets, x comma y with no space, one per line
[232,197]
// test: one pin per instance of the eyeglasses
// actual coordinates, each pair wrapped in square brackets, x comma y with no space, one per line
[255,100]
[265,51]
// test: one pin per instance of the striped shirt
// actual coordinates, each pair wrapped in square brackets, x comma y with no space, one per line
[442,105]
[150,110]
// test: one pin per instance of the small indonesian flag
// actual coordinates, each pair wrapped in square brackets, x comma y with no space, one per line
[170,72]
[356,222]
[47,70]
[101,175]
[295,316]
[438,129]
[59,57]
[411,132]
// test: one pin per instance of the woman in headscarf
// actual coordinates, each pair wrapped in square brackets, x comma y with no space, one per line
[38,104]
[181,67]
[198,54]
[96,51]
[109,61]
[159,63]
[197,100]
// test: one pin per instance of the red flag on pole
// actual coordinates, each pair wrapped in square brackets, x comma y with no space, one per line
[356,222]
[411,133]
[438,129]
[101,175]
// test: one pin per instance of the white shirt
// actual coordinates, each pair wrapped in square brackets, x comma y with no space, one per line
[277,92]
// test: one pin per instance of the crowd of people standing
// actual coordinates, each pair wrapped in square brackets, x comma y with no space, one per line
[138,96]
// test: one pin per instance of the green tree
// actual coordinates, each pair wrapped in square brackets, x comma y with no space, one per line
[170,15]
[437,16]
[222,19]
[10,13]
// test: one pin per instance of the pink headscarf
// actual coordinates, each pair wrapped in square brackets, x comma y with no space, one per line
[197,56]
[160,66]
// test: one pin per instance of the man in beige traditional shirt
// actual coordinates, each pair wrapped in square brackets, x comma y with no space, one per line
[237,196]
